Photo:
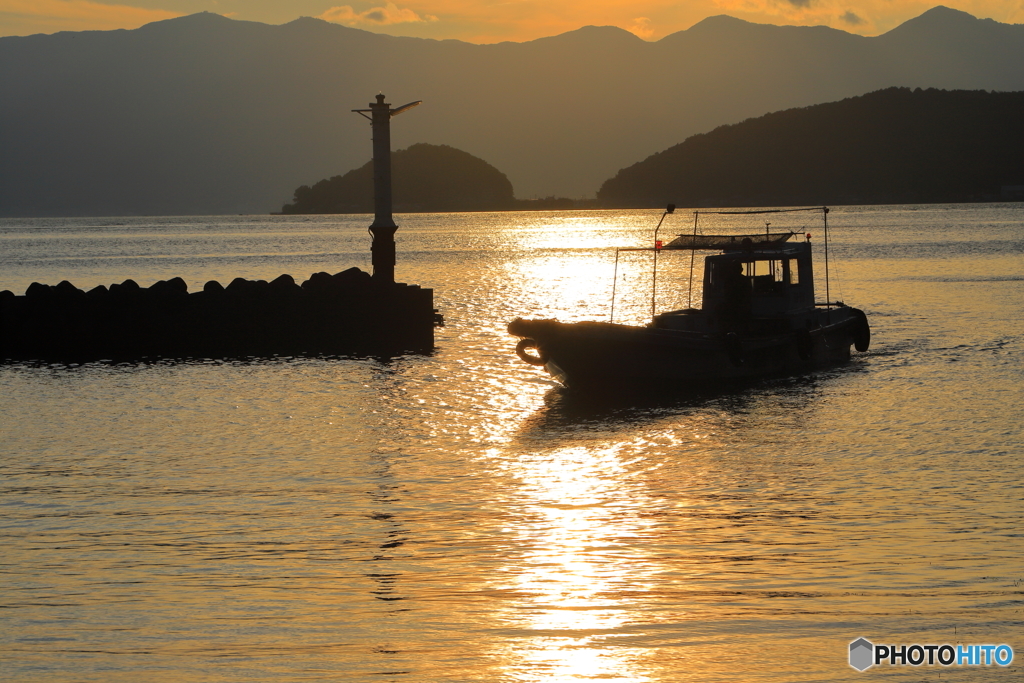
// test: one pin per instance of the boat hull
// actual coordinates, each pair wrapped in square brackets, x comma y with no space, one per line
[594,354]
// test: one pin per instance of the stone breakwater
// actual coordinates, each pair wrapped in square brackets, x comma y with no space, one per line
[344,313]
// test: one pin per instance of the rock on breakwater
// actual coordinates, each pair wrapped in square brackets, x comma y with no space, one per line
[344,313]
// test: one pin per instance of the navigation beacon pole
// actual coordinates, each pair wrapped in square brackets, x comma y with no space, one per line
[382,249]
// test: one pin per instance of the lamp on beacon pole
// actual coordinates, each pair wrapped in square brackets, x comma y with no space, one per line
[382,249]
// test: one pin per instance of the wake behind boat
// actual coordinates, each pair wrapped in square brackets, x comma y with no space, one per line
[758,318]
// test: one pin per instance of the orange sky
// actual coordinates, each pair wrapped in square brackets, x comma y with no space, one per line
[488,21]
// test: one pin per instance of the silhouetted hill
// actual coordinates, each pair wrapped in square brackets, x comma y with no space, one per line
[424,178]
[204,114]
[889,146]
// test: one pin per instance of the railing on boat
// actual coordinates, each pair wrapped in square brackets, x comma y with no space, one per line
[697,241]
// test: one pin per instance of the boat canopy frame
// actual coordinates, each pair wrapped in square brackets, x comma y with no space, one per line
[698,242]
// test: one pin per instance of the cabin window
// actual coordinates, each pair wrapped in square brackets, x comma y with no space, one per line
[767,276]
[778,272]
[770,270]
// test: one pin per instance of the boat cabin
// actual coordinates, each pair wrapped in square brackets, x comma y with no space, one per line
[770,281]
[766,286]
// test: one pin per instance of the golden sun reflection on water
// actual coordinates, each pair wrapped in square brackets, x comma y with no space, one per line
[572,286]
[576,288]
[578,555]
[588,230]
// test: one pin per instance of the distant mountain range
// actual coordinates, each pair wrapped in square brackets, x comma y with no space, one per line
[204,114]
[887,147]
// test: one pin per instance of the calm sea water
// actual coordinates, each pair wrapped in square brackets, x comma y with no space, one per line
[457,517]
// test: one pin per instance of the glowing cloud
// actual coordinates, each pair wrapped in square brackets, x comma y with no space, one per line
[25,17]
[642,28]
[377,16]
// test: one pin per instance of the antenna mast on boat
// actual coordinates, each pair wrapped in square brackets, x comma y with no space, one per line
[824,217]
[693,253]
[657,247]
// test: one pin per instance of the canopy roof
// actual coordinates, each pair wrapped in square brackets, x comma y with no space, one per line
[728,242]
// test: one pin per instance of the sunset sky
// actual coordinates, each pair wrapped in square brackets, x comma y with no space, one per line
[489,21]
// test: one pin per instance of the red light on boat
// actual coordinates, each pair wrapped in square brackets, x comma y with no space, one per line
[657,244]
[808,235]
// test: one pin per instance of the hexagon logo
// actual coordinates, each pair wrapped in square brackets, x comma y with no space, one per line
[861,654]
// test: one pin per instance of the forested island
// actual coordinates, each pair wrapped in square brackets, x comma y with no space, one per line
[424,178]
[891,146]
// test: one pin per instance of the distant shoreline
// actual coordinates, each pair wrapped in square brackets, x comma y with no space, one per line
[585,205]
[594,205]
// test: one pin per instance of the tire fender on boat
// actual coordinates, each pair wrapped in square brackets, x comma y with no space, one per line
[524,344]
[861,331]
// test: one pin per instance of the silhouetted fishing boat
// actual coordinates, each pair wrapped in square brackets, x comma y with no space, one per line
[758,318]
